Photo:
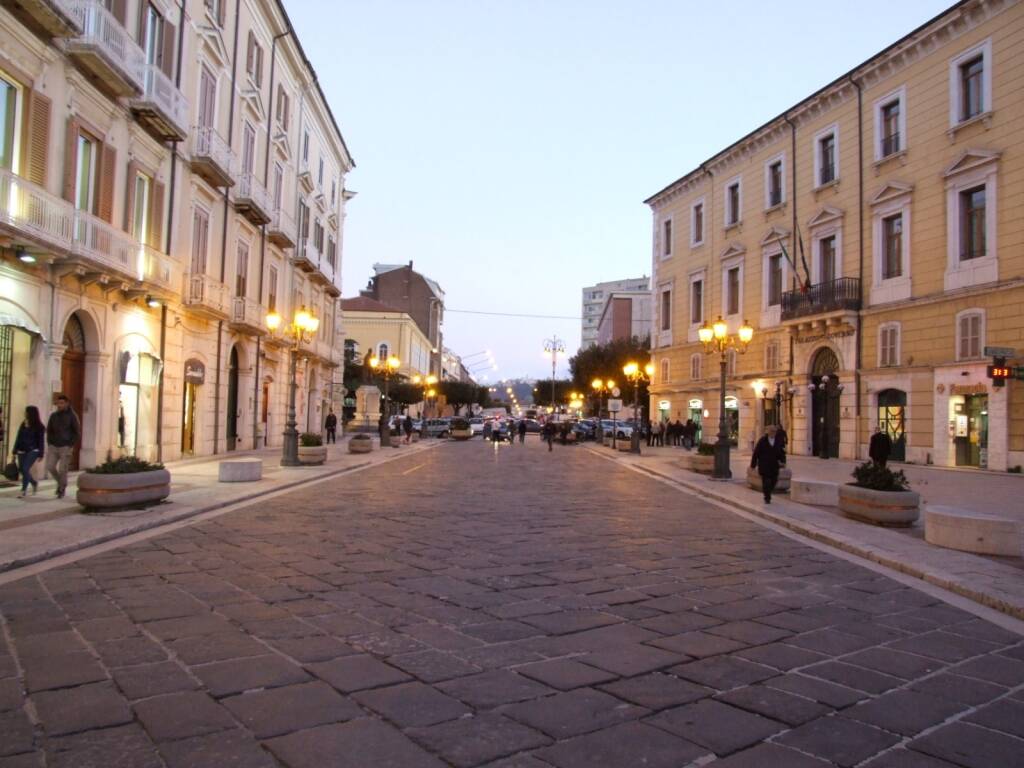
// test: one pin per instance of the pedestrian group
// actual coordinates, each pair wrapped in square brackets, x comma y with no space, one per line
[51,444]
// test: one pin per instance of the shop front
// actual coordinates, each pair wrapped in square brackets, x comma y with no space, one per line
[136,403]
[15,364]
[971,420]
[696,415]
[194,378]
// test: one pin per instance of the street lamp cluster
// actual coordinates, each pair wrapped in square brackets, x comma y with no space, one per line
[636,374]
[386,367]
[427,384]
[299,331]
[716,338]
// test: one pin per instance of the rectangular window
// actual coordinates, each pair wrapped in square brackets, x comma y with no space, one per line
[207,99]
[278,189]
[972,101]
[248,148]
[733,207]
[282,107]
[305,146]
[827,258]
[698,223]
[972,223]
[666,310]
[332,252]
[733,291]
[666,232]
[318,236]
[695,363]
[970,336]
[826,159]
[9,93]
[665,372]
[334,192]
[888,344]
[241,269]
[697,302]
[771,356]
[320,174]
[154,32]
[200,240]
[140,213]
[775,184]
[892,246]
[775,280]
[85,174]
[891,128]
[272,289]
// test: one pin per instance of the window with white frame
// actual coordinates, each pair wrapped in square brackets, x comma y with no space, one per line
[826,156]
[891,229]
[970,84]
[732,286]
[889,345]
[731,359]
[773,263]
[772,355]
[665,371]
[733,202]
[200,245]
[892,246]
[272,289]
[972,223]
[774,182]
[666,309]
[971,186]
[666,238]
[891,124]
[697,299]
[970,334]
[697,223]
[827,271]
[695,366]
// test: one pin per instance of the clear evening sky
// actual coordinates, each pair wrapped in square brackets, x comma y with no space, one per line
[505,147]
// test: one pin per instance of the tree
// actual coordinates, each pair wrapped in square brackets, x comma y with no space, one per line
[563,387]
[606,361]
[459,394]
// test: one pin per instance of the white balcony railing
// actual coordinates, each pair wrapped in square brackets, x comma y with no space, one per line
[34,213]
[326,268]
[208,146]
[248,312]
[103,32]
[281,222]
[252,191]
[206,291]
[160,92]
[158,268]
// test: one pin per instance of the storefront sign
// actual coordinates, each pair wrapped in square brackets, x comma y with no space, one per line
[731,402]
[1000,352]
[696,403]
[664,405]
[195,371]
[824,336]
[968,389]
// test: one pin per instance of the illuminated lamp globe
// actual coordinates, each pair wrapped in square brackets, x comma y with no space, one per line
[746,333]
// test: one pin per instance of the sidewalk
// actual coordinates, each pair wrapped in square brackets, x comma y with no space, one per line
[40,527]
[995,582]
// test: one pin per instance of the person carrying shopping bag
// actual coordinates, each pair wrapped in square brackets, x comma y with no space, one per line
[29,447]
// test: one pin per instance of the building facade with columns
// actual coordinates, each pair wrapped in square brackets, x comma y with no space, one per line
[173,173]
[870,235]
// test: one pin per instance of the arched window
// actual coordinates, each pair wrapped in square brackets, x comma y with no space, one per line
[695,366]
[665,371]
[383,350]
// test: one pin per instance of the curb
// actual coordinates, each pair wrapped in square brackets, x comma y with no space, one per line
[938,579]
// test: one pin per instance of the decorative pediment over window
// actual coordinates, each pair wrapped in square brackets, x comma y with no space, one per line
[774,235]
[213,43]
[252,99]
[970,159]
[734,250]
[826,215]
[284,149]
[892,190]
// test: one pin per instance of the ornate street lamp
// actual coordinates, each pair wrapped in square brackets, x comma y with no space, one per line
[716,338]
[386,368]
[301,330]
[602,389]
[636,374]
[427,383]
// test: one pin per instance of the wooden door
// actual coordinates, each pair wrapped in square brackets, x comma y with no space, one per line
[72,378]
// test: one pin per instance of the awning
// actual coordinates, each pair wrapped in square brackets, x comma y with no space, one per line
[21,322]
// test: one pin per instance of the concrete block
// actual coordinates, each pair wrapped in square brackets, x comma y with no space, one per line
[976,532]
[817,492]
[240,471]
[782,486]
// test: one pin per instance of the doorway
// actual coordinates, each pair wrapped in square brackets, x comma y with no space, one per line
[892,407]
[232,415]
[825,404]
[970,438]
[732,419]
[697,417]
[188,424]
[72,375]
[265,411]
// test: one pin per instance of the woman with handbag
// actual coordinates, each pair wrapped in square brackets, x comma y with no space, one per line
[29,447]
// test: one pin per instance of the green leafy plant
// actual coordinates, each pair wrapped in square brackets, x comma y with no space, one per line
[706,449]
[125,465]
[879,478]
[310,440]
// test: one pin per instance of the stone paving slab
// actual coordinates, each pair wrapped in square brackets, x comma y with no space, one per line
[575,615]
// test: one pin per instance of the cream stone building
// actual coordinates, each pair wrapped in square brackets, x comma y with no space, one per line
[374,327]
[871,235]
[169,173]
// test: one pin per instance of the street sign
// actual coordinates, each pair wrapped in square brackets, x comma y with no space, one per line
[616,392]
[1000,352]
[614,406]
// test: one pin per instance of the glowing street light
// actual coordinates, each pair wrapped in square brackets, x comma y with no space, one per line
[301,330]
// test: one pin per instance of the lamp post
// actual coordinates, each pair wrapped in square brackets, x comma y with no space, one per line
[716,338]
[601,390]
[783,394]
[426,382]
[300,331]
[636,374]
[386,368]
[553,347]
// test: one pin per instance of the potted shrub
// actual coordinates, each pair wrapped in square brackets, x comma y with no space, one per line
[312,450]
[460,429]
[702,460]
[360,443]
[125,482]
[880,496]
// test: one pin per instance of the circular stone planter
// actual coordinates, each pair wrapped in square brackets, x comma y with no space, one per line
[360,445]
[312,455]
[891,508]
[695,462]
[96,491]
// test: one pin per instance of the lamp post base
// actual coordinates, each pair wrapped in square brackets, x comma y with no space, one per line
[722,470]
[634,441]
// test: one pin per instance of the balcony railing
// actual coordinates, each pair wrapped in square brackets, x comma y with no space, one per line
[890,144]
[54,17]
[31,213]
[305,175]
[157,268]
[206,294]
[306,255]
[247,314]
[833,296]
[281,230]
[251,199]
[162,108]
[212,157]
[106,50]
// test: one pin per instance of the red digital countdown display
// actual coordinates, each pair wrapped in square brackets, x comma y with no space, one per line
[1000,372]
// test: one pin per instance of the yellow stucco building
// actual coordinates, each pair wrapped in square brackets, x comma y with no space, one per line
[871,234]
[372,326]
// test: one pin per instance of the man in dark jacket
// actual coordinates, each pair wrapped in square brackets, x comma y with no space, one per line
[331,425]
[63,432]
[880,447]
[769,456]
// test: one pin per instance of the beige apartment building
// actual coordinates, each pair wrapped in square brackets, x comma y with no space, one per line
[872,236]
[169,173]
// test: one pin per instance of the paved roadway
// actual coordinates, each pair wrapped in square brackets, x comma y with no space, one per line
[513,609]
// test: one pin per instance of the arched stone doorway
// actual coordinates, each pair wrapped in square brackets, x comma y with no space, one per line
[892,407]
[826,389]
[232,409]
[72,374]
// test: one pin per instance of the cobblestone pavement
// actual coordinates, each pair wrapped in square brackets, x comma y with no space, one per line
[516,609]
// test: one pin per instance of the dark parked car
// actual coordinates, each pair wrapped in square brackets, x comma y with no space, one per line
[532,425]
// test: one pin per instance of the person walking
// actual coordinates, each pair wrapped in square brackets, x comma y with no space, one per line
[689,433]
[29,447]
[548,433]
[331,425]
[880,447]
[522,431]
[769,456]
[63,431]
[407,428]
[661,433]
[487,430]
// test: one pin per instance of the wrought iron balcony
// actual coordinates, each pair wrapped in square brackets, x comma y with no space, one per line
[281,230]
[53,18]
[248,316]
[833,296]
[251,199]
[161,109]
[205,295]
[105,50]
[212,157]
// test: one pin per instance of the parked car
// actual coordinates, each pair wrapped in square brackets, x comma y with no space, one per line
[623,429]
[460,429]
[477,425]
[437,428]
[585,430]
[532,425]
